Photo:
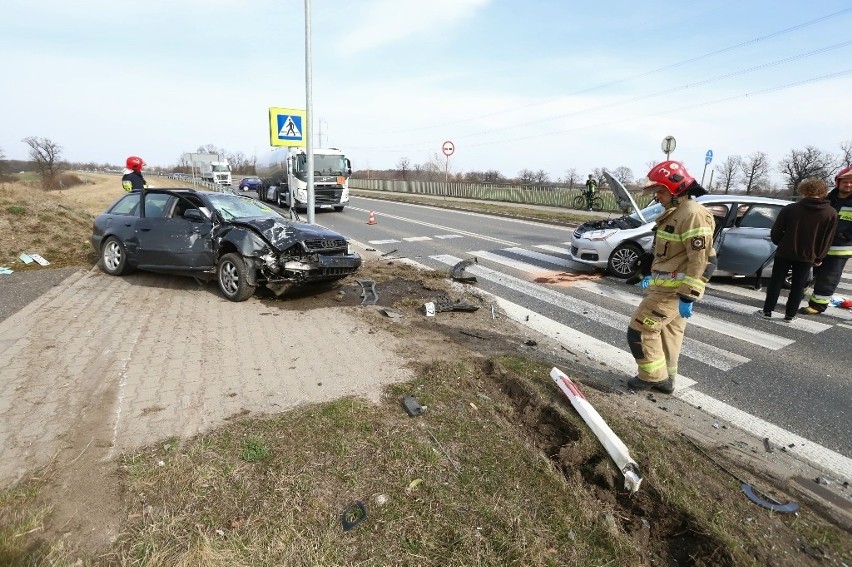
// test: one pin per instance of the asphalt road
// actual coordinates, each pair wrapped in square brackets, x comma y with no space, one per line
[20,288]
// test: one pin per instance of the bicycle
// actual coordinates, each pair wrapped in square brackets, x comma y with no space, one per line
[588,202]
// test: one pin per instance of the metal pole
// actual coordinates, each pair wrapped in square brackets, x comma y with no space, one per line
[711,180]
[703,174]
[309,112]
[446,176]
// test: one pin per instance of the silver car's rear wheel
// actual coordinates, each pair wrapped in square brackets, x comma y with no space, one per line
[624,260]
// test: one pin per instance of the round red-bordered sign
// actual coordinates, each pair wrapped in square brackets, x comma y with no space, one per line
[448,148]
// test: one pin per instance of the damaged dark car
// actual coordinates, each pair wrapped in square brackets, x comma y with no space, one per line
[239,241]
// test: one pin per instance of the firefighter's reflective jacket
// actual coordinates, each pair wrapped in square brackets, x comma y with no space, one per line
[684,257]
[133,181]
[842,244]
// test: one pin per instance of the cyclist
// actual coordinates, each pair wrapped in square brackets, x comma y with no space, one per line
[591,189]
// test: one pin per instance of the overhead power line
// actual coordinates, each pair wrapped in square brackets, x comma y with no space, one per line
[636,76]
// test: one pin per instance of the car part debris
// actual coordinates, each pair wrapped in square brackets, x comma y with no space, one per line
[767,445]
[756,496]
[429,309]
[368,292]
[412,406]
[457,271]
[444,303]
[614,446]
[438,443]
[388,253]
[391,313]
[353,515]
[493,314]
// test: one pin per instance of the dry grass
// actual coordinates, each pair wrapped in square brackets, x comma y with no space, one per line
[56,224]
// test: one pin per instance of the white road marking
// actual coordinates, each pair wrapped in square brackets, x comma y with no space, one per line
[823,457]
[702,352]
[417,238]
[556,249]
[760,295]
[546,258]
[446,236]
[759,338]
[377,242]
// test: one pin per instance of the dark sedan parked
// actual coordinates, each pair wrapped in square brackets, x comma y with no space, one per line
[240,241]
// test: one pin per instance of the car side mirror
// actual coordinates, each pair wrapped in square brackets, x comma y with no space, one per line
[194,215]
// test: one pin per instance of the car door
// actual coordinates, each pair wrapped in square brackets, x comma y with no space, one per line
[168,240]
[745,247]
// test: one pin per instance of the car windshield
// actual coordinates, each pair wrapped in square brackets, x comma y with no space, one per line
[651,212]
[232,207]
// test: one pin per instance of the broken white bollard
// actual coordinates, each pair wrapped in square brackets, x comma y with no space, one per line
[613,445]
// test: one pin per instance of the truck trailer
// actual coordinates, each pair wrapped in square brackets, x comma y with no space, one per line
[213,168]
[284,178]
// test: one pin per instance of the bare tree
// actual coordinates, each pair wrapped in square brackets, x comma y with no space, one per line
[436,168]
[46,154]
[403,166]
[211,149]
[526,176]
[801,164]
[2,157]
[492,176]
[623,174]
[845,154]
[571,177]
[755,171]
[541,176]
[727,172]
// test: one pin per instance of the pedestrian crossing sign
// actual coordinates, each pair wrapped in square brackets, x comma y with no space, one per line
[287,127]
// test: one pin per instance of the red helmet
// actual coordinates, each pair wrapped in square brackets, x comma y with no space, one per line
[845,172]
[670,174]
[135,163]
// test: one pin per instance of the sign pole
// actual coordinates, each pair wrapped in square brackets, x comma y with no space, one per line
[309,113]
[708,157]
[703,174]
[447,148]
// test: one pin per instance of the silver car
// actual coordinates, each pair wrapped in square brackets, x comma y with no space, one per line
[741,239]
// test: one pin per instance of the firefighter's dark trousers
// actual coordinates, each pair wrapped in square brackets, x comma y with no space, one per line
[826,278]
[655,335]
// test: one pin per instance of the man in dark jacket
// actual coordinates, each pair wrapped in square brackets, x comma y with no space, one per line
[828,274]
[803,233]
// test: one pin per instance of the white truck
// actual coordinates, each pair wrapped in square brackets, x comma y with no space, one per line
[213,168]
[284,178]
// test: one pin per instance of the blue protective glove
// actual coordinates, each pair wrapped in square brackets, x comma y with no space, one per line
[645,283]
[685,309]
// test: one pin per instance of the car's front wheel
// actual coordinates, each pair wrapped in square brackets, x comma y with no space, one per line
[232,275]
[624,260]
[114,257]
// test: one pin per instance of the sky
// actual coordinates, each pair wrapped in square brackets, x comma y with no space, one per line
[539,84]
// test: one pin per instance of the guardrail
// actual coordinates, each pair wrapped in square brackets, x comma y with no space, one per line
[553,196]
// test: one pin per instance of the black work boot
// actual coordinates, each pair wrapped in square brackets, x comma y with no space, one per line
[665,386]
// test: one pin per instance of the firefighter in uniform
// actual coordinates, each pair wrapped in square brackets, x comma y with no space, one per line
[828,273]
[683,260]
[133,180]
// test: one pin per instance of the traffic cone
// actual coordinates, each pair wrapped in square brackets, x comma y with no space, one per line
[372,218]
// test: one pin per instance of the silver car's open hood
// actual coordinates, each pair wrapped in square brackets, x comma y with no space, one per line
[622,197]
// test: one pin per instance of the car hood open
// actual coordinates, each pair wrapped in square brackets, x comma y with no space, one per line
[622,197]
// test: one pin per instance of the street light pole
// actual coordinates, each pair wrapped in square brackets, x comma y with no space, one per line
[309,111]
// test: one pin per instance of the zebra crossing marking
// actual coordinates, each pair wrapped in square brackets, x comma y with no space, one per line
[417,238]
[761,295]
[696,350]
[556,249]
[448,236]
[759,338]
[379,242]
